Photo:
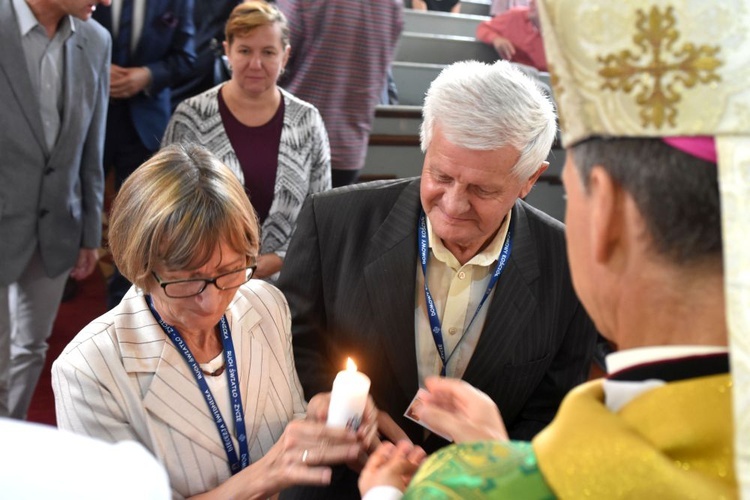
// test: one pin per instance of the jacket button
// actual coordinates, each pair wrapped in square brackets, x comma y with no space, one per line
[43,212]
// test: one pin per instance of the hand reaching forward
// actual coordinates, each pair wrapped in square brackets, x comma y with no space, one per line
[459,410]
[391,465]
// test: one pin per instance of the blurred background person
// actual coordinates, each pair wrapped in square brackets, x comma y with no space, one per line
[54,80]
[275,143]
[196,361]
[341,52]
[516,36]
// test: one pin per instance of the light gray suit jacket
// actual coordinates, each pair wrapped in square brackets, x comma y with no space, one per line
[52,199]
[122,379]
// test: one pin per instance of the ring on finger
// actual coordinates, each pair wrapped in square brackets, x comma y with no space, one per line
[304,456]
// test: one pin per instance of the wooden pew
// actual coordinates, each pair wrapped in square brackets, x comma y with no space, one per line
[393,151]
[442,23]
[442,49]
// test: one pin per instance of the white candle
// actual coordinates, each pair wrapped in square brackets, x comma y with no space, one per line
[348,397]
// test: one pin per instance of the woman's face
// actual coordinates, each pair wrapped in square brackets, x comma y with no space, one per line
[257,59]
[200,313]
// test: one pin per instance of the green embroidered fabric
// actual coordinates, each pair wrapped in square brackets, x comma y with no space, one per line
[480,470]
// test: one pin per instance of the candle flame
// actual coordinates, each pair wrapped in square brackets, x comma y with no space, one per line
[350,365]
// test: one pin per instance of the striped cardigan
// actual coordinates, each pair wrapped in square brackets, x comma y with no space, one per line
[122,379]
[304,157]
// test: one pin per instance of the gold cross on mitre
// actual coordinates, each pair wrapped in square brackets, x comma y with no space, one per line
[659,68]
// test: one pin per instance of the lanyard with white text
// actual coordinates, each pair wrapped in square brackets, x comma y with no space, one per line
[235,464]
[435,327]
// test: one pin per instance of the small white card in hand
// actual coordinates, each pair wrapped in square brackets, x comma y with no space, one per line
[412,416]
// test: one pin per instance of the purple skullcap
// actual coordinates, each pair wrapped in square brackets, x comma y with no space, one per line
[700,146]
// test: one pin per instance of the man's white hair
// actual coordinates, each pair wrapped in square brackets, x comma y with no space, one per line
[490,106]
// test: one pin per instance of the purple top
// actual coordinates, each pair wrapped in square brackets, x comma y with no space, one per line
[257,150]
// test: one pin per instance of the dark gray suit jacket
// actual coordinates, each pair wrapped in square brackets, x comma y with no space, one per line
[349,277]
[51,198]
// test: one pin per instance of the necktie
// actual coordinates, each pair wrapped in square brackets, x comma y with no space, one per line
[121,49]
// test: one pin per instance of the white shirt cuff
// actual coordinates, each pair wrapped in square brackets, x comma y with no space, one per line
[383,493]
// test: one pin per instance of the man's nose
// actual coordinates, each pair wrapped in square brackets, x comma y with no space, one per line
[455,200]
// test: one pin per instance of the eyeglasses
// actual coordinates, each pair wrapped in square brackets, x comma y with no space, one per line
[179,289]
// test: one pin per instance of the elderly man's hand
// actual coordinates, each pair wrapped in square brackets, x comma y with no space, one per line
[457,409]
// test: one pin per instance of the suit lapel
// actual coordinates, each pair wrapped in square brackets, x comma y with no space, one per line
[510,309]
[251,360]
[392,257]
[149,14]
[173,396]
[17,73]
[76,82]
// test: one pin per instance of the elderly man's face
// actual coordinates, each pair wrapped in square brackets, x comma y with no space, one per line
[467,193]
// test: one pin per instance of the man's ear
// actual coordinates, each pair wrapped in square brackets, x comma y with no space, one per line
[606,216]
[526,188]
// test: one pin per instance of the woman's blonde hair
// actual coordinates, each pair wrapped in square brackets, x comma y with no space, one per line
[174,211]
[249,15]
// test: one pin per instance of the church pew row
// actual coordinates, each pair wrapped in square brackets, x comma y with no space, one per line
[442,23]
[442,49]
[413,79]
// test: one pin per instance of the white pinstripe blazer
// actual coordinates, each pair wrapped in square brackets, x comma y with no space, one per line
[121,379]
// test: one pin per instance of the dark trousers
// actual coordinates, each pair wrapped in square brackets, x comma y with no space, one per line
[123,149]
[123,152]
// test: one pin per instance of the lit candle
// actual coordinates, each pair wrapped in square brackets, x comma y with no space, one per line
[348,397]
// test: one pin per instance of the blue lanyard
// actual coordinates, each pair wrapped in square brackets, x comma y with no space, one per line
[435,327]
[235,464]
